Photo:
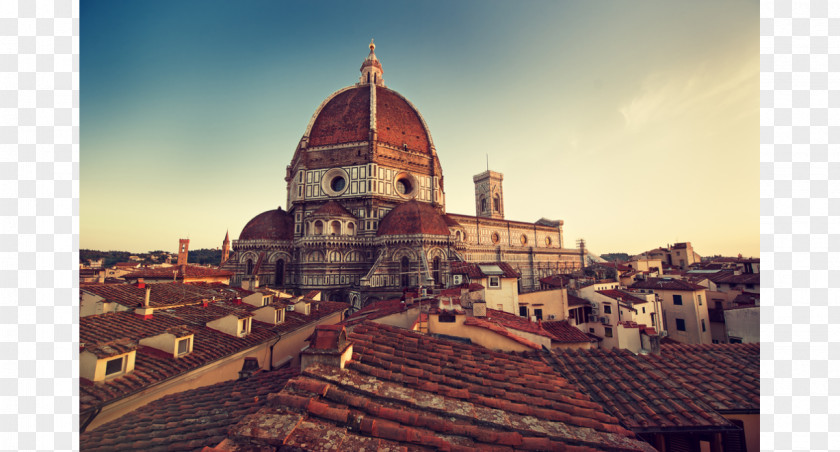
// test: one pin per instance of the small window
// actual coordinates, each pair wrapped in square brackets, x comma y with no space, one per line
[608,332]
[183,346]
[699,300]
[446,317]
[592,330]
[494,281]
[680,325]
[607,309]
[278,316]
[703,324]
[266,301]
[114,366]
[246,326]
[643,309]
[678,299]
[523,311]
[538,314]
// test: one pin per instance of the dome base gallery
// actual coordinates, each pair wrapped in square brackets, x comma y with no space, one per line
[366,216]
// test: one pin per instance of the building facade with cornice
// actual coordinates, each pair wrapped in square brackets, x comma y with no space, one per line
[366,215]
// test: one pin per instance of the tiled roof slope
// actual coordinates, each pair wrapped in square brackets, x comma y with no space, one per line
[152,366]
[473,270]
[404,390]
[577,301]
[508,320]
[334,209]
[189,420]
[413,217]
[190,271]
[725,376]
[666,284]
[376,310]
[496,328]
[565,332]
[684,389]
[161,294]
[344,119]
[625,296]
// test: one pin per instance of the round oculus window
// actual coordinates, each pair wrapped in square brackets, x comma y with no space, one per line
[405,185]
[548,241]
[494,237]
[523,239]
[334,182]
[338,183]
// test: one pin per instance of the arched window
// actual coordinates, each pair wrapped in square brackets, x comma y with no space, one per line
[351,229]
[336,228]
[405,269]
[436,270]
[483,204]
[335,256]
[458,235]
[319,228]
[249,267]
[497,203]
[278,272]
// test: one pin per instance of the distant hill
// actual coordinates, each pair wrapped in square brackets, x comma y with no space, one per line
[611,257]
[200,256]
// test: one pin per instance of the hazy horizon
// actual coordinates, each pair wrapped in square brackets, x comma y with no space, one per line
[637,126]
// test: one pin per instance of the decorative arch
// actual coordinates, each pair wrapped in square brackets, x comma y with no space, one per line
[404,252]
[318,227]
[335,256]
[315,256]
[335,227]
[353,256]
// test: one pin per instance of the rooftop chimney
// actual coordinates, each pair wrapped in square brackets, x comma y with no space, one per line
[479,308]
[141,283]
[148,294]
[328,345]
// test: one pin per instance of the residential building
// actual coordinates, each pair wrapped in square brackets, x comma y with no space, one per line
[685,310]
[499,279]
[127,359]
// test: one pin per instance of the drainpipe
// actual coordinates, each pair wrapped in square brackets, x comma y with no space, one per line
[271,352]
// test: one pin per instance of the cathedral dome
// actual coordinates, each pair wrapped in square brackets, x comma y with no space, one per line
[369,111]
[271,225]
[346,118]
[413,217]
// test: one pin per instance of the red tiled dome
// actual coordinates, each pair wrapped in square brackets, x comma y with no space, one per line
[413,217]
[271,225]
[346,119]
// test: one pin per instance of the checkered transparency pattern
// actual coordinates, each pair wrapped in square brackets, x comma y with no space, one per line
[800,225]
[39,190]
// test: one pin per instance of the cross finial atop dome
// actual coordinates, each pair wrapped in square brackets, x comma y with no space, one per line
[371,68]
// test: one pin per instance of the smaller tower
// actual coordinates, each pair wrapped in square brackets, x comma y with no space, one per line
[371,69]
[489,197]
[183,251]
[225,248]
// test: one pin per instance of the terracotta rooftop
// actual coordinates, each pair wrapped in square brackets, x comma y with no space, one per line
[577,301]
[377,310]
[666,284]
[620,266]
[152,366]
[624,296]
[743,278]
[565,332]
[515,322]
[189,420]
[672,392]
[274,224]
[161,294]
[747,298]
[556,280]
[190,271]
[473,270]
[404,390]
[413,217]
[333,209]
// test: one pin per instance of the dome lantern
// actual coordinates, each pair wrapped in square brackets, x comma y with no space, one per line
[371,69]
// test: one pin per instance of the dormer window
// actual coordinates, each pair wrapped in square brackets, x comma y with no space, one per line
[183,346]
[278,316]
[494,281]
[245,326]
[266,301]
[115,366]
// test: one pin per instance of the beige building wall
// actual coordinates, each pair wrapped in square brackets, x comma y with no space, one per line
[478,336]
[743,323]
[503,298]
[552,302]
[628,338]
[752,429]
[691,310]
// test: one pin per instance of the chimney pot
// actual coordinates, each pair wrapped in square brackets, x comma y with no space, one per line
[148,295]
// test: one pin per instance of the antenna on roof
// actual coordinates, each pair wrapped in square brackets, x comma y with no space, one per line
[488,161]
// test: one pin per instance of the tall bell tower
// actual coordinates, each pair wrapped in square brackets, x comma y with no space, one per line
[489,197]
[183,251]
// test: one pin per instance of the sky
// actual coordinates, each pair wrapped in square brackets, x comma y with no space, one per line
[636,123]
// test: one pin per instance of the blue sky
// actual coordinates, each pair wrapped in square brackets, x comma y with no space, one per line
[634,122]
